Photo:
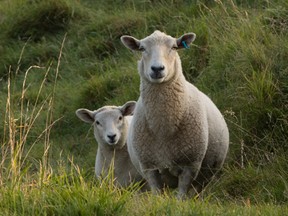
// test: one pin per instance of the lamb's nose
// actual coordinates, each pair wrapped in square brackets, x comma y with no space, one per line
[157,69]
[111,137]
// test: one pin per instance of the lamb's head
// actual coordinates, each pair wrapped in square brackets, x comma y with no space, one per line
[110,126]
[159,54]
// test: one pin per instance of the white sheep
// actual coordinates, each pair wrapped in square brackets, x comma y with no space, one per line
[111,125]
[176,129]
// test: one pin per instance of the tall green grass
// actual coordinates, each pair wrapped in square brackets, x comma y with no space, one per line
[58,56]
[245,61]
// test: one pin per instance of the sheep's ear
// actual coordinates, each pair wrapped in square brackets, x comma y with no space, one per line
[185,40]
[130,42]
[86,115]
[128,108]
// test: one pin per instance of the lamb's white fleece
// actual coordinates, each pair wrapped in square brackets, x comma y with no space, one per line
[111,126]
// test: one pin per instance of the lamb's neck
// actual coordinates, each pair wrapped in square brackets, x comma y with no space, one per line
[110,149]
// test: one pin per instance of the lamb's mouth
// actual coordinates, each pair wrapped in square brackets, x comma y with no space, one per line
[114,142]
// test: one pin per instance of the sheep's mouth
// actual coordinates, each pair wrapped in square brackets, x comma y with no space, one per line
[156,76]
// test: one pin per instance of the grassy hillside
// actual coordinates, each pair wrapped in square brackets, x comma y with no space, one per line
[60,55]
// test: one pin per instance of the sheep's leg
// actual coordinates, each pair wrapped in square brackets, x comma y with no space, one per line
[203,178]
[153,178]
[168,179]
[186,177]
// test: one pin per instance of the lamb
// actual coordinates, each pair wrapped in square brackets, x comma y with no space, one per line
[177,132]
[111,125]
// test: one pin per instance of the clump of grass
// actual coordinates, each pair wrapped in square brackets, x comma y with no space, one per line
[255,183]
[102,35]
[18,125]
[276,18]
[25,22]
[114,87]
[64,192]
[44,18]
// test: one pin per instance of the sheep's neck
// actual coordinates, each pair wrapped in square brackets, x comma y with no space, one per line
[164,102]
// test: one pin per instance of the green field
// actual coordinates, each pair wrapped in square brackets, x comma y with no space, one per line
[60,55]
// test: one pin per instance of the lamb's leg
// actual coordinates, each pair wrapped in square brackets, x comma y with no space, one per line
[153,178]
[186,177]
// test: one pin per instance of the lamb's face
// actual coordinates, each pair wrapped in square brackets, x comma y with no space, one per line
[159,54]
[108,126]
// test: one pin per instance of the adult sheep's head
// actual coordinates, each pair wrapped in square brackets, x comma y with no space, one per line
[159,54]
[108,122]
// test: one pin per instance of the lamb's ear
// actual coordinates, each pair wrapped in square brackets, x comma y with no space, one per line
[86,115]
[128,108]
[185,40]
[130,42]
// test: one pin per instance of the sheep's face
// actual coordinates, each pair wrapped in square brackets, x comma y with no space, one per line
[159,54]
[158,58]
[108,122]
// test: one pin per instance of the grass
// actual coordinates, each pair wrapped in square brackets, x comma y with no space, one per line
[58,56]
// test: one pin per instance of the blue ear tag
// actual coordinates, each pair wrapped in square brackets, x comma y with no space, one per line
[185,45]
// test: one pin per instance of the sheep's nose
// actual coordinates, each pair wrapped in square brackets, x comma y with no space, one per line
[157,69]
[111,137]
[157,72]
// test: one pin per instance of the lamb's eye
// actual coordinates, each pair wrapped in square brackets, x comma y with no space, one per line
[120,118]
[141,48]
[97,122]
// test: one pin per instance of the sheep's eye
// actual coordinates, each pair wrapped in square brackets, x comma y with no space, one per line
[174,47]
[141,48]
[120,118]
[97,122]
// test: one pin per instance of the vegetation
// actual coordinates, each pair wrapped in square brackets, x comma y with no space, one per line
[60,55]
